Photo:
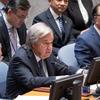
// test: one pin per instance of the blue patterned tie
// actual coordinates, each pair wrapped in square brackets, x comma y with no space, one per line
[61,24]
[13,40]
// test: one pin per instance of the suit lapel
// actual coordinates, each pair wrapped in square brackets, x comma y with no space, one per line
[49,66]
[5,35]
[32,62]
[67,29]
[96,36]
[22,34]
[53,24]
[4,28]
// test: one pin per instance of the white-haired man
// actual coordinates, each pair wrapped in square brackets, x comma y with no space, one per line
[25,72]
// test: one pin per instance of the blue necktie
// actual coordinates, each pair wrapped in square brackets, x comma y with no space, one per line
[61,24]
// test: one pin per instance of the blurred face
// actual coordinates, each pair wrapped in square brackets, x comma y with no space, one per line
[59,6]
[17,18]
[43,48]
[97,18]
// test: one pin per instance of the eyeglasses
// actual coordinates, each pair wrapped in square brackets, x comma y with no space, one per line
[21,17]
[20,14]
[98,15]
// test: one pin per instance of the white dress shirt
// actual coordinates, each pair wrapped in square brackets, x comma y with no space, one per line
[55,16]
[15,35]
[43,65]
[98,30]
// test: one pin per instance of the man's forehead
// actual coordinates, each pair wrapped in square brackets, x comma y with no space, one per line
[98,10]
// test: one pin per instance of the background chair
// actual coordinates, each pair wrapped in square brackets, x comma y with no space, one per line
[66,54]
[3,77]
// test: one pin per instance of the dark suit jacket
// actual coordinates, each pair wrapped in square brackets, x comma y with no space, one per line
[76,16]
[47,17]
[87,47]
[5,40]
[24,75]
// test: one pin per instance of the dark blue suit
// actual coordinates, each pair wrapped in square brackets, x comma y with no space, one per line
[5,39]
[59,41]
[87,47]
[24,75]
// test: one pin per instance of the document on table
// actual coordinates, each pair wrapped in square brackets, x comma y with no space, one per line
[32,97]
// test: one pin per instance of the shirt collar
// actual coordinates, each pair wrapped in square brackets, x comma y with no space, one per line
[6,21]
[53,13]
[98,30]
[37,57]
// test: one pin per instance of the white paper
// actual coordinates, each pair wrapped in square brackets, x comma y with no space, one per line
[32,97]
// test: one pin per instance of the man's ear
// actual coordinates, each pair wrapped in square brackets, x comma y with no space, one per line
[94,19]
[9,11]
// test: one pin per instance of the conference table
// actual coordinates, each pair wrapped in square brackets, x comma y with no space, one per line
[45,92]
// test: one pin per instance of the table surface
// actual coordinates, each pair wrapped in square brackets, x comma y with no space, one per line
[45,92]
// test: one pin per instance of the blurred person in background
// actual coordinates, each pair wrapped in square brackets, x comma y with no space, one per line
[88,44]
[61,25]
[12,27]
[80,12]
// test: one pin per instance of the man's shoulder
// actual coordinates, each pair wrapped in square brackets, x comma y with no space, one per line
[52,57]
[21,52]
[44,14]
[87,33]
[87,37]
[23,26]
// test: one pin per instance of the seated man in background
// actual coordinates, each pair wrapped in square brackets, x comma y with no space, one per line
[80,12]
[33,64]
[88,43]
[12,27]
[61,25]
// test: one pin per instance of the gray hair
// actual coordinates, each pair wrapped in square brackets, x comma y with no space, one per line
[36,32]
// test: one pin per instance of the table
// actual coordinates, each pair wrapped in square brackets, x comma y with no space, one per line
[46,93]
